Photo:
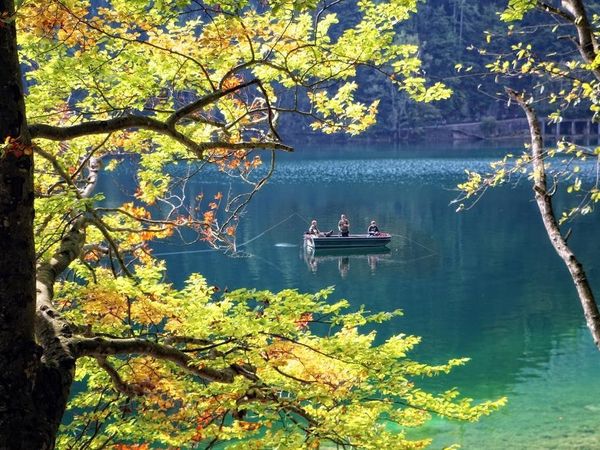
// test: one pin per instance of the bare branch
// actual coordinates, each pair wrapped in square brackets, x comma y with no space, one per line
[101,226]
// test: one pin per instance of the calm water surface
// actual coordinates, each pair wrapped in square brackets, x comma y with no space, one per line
[483,283]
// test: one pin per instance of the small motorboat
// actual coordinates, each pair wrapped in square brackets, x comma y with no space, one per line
[352,241]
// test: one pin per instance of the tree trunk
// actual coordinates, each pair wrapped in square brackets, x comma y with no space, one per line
[544,203]
[28,416]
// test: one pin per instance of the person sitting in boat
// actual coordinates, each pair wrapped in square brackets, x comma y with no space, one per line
[373,229]
[314,230]
[344,226]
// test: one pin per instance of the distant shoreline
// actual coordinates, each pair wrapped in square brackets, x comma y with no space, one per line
[488,129]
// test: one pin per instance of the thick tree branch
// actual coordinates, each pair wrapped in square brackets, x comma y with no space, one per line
[102,347]
[53,331]
[205,101]
[544,203]
[587,42]
[56,133]
[94,165]
[544,6]
[126,122]
[118,383]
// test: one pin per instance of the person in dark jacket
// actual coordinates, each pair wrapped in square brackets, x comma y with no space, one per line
[373,229]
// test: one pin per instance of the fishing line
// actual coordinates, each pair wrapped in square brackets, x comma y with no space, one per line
[433,252]
[185,252]
[405,261]
[268,262]
[303,218]
[270,229]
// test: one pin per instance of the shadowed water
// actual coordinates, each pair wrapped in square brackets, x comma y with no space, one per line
[484,283]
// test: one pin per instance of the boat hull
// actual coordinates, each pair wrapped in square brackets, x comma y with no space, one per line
[353,241]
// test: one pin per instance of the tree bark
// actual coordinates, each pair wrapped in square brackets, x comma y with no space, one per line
[545,206]
[574,12]
[19,355]
[585,33]
[29,416]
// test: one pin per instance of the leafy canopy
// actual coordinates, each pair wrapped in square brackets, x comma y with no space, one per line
[296,388]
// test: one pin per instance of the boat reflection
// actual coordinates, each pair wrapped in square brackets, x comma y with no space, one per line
[371,256]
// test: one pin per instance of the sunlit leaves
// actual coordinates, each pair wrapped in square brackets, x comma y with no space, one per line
[342,112]
[147,55]
[472,185]
[343,383]
[516,9]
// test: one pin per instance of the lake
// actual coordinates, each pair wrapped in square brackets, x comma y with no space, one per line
[483,283]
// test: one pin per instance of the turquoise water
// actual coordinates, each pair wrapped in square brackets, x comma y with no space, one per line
[484,283]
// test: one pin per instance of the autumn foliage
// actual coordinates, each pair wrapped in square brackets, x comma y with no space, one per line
[164,92]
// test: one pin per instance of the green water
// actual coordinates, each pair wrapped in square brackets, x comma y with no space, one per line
[483,283]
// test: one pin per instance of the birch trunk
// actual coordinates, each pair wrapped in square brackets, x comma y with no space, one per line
[544,203]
